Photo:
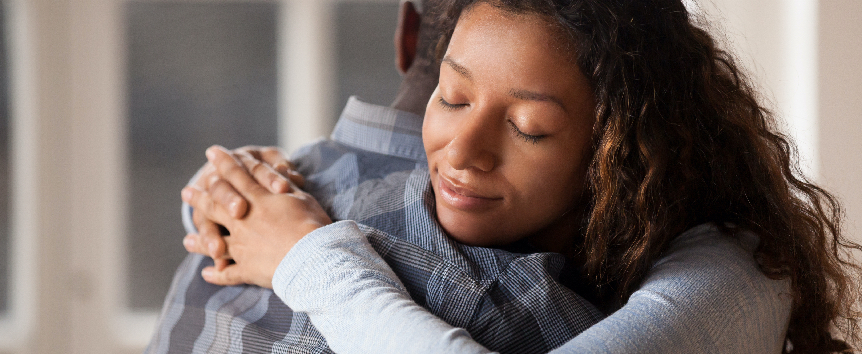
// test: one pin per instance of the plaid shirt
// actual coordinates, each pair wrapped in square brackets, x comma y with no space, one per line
[374,171]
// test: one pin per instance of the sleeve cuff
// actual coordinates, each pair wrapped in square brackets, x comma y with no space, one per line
[315,259]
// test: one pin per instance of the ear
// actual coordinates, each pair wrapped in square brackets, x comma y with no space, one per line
[406,36]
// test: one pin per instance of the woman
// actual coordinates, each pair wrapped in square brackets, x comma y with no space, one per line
[630,139]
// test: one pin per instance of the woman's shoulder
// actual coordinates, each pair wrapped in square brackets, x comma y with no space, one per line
[709,237]
[712,275]
[705,294]
[708,257]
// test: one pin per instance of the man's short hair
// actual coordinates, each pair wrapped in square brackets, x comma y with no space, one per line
[417,4]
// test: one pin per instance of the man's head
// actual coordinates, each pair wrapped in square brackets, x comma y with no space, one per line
[416,39]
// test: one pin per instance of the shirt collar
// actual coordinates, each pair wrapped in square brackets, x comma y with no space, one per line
[380,129]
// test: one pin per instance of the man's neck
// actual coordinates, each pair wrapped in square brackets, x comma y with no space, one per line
[414,92]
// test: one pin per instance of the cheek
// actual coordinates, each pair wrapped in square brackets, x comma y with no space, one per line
[434,134]
[552,182]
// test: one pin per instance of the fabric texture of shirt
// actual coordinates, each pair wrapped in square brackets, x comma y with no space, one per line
[373,170]
[705,295]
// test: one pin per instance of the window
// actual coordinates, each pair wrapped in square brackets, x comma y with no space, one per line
[205,73]
[199,74]
[365,57]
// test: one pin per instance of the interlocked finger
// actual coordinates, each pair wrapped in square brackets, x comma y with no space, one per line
[205,208]
[265,175]
[211,239]
[204,177]
[224,194]
[235,173]
[226,276]
[275,158]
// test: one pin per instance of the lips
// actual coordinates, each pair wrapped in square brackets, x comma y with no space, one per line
[458,196]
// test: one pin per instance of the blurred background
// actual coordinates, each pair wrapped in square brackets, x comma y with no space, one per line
[106,107]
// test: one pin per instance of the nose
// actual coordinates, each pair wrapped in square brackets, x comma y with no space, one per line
[474,144]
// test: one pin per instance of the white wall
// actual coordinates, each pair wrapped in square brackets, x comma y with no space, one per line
[804,55]
[840,106]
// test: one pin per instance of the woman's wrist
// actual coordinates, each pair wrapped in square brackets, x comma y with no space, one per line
[307,261]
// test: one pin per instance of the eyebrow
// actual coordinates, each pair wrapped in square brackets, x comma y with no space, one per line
[524,95]
[460,69]
[535,96]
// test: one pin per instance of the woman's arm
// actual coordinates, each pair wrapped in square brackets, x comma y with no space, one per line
[706,295]
[356,301]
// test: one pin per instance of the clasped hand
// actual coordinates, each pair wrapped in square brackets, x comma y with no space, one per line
[255,195]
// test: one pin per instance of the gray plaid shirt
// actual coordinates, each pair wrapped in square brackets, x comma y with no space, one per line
[373,170]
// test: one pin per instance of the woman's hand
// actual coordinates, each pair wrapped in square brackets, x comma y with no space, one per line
[272,224]
[272,169]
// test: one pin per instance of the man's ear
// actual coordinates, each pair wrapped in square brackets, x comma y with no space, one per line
[406,36]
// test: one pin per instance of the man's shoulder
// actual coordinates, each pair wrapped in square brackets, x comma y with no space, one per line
[199,317]
[321,155]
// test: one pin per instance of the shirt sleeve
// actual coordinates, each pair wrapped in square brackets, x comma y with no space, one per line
[706,295]
[356,301]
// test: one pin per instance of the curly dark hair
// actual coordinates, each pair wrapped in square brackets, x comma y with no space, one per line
[680,140]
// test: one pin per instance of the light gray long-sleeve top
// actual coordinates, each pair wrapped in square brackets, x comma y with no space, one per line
[705,295]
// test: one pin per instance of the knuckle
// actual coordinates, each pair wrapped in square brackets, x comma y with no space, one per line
[233,172]
[198,201]
[245,155]
[270,152]
[252,150]
[257,168]
[230,275]
[224,192]
[210,232]
[205,204]
[198,218]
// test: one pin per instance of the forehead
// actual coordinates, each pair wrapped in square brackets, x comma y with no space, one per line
[497,49]
[515,25]
[485,32]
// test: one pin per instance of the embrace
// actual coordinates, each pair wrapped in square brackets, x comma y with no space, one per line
[567,176]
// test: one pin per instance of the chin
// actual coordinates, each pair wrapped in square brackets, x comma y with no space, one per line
[472,232]
[471,240]
[479,228]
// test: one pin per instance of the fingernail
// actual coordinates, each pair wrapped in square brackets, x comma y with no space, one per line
[211,153]
[207,273]
[279,186]
[212,248]
[186,194]
[233,206]
[188,242]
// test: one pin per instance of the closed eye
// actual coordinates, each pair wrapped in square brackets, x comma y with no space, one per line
[532,139]
[449,106]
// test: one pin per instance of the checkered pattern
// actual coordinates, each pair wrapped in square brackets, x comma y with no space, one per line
[373,170]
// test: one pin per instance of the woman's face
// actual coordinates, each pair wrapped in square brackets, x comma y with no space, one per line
[507,131]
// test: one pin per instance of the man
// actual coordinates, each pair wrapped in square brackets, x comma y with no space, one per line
[507,301]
